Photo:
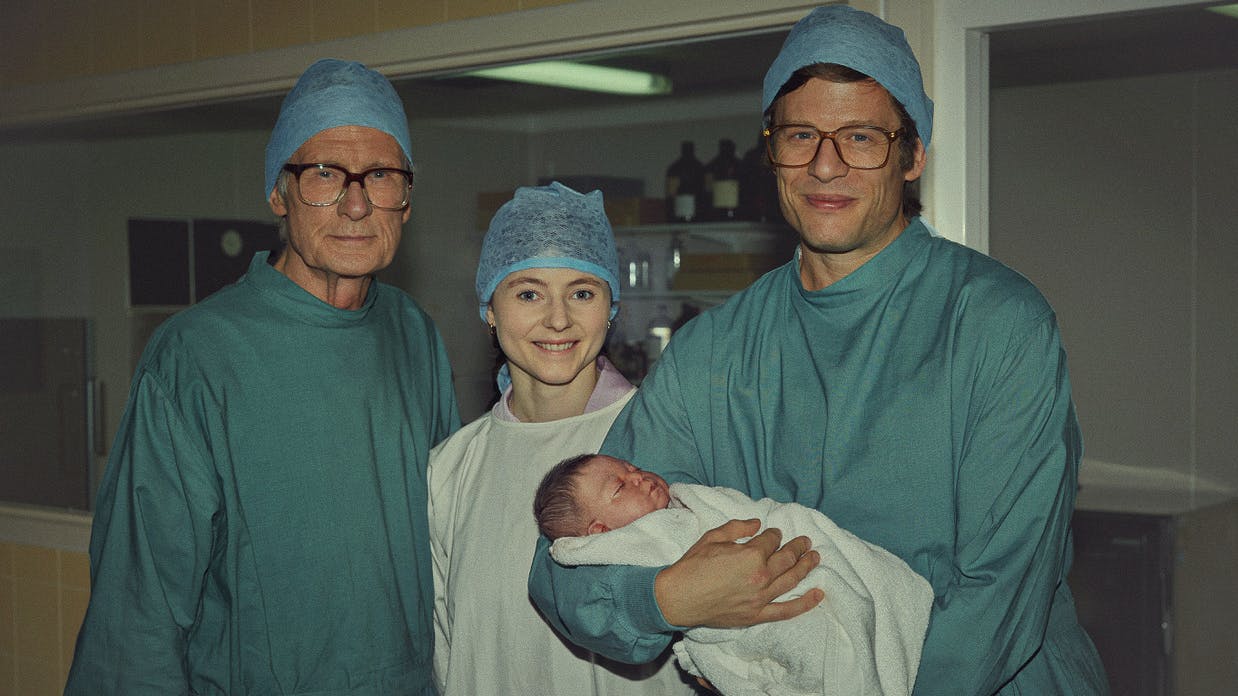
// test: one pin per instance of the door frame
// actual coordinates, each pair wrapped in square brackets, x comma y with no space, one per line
[957,181]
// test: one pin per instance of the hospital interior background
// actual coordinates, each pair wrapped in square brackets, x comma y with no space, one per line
[1109,184]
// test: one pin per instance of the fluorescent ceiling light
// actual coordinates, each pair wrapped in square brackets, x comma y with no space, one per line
[595,78]
[1229,10]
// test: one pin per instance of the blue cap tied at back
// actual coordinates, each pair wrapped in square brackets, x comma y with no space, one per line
[858,40]
[332,93]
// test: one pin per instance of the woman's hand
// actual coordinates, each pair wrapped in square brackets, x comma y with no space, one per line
[723,584]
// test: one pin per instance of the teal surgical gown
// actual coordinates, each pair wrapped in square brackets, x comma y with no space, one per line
[261,526]
[923,403]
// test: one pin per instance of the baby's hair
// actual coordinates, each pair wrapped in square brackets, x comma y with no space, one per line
[554,505]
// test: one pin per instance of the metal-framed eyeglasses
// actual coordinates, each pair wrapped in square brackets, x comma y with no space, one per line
[859,147]
[322,185]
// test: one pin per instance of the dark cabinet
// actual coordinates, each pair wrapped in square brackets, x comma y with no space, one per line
[1121,579]
[46,411]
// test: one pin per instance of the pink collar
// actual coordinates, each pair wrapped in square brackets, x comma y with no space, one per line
[611,387]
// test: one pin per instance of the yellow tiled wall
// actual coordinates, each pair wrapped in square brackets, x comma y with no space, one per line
[43,595]
[49,40]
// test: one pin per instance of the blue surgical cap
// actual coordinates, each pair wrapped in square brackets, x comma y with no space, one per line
[548,227]
[858,40]
[333,93]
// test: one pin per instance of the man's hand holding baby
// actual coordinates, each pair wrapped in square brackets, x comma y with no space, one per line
[722,583]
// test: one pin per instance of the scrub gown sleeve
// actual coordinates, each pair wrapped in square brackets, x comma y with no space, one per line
[442,494]
[154,531]
[609,610]
[1016,478]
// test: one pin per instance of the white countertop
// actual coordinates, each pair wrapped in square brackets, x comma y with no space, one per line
[1109,487]
[29,525]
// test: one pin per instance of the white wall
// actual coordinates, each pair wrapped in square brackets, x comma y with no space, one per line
[1117,198]
[46,233]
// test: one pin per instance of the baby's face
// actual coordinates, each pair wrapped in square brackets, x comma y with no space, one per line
[614,492]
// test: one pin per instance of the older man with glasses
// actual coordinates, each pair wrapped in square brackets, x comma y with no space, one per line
[261,525]
[913,390]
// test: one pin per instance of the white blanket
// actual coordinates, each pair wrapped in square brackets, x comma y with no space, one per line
[865,638]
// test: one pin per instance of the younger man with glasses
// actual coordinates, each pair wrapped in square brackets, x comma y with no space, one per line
[911,389]
[261,526]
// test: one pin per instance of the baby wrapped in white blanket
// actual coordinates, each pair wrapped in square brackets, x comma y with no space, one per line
[864,638]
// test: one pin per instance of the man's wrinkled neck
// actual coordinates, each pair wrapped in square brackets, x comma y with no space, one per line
[341,292]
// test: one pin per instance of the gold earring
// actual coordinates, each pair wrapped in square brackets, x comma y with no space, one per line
[492,329]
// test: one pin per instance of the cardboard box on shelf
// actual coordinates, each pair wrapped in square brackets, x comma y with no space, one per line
[716,280]
[630,211]
[761,263]
[722,271]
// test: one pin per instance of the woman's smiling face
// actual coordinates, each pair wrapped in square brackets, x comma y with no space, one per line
[551,323]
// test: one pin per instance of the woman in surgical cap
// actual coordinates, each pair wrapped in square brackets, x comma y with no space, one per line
[547,286]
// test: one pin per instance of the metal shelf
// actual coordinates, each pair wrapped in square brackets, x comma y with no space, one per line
[725,234]
[708,228]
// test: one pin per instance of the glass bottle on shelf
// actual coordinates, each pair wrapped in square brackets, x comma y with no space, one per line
[685,185]
[639,270]
[758,187]
[633,267]
[674,259]
[658,333]
[724,184]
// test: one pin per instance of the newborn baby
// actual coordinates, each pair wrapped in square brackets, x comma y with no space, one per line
[865,638]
